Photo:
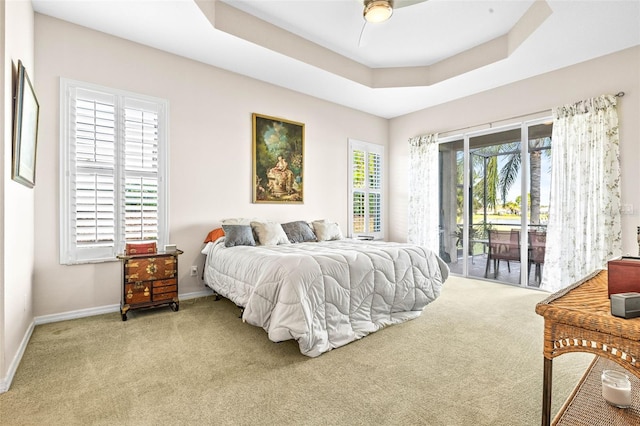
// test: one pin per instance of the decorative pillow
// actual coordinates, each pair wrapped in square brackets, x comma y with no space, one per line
[327,231]
[238,235]
[299,232]
[240,220]
[270,233]
[214,235]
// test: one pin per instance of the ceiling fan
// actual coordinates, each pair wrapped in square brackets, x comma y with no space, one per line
[381,10]
[376,11]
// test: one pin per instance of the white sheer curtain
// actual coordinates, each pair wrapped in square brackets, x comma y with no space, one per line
[423,191]
[584,228]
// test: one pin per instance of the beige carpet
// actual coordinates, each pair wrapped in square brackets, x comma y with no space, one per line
[474,357]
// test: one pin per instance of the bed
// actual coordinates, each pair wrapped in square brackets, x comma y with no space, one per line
[324,294]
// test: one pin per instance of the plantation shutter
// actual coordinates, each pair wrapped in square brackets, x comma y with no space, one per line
[358,190]
[112,172]
[140,196]
[92,162]
[365,203]
[375,192]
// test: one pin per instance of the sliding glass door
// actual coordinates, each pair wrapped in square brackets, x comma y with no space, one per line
[488,229]
[539,149]
[451,164]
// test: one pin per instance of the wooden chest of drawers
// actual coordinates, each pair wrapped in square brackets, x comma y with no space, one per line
[149,280]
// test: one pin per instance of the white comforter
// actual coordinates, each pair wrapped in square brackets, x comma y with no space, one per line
[325,294]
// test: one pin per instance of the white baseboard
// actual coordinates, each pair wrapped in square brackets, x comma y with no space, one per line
[82,313]
[5,383]
[196,294]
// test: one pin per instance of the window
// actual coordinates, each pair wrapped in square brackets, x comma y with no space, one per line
[365,183]
[113,171]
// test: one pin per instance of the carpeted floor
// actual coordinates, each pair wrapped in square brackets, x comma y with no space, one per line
[474,357]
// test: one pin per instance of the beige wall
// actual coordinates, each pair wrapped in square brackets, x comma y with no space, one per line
[609,74]
[210,147]
[17,206]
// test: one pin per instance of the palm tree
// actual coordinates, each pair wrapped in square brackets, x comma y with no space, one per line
[487,181]
[510,169]
[535,162]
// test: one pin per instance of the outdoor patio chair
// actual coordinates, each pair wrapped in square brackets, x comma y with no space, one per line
[503,245]
[537,248]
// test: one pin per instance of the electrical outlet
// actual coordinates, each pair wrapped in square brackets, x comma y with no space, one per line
[194,270]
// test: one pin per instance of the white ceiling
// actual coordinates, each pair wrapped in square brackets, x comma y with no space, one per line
[419,40]
[420,34]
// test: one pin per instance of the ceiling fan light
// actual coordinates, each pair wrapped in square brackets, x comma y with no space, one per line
[378,11]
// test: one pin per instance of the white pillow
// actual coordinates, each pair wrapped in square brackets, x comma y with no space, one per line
[239,221]
[327,231]
[270,233]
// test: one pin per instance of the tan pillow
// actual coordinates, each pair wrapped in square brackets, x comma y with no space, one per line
[240,220]
[327,231]
[270,233]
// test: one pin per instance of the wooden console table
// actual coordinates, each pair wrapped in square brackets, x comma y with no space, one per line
[578,319]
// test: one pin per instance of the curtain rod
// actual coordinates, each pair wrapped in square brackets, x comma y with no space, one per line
[490,124]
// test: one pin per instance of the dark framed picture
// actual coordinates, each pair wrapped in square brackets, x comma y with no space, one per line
[278,160]
[26,112]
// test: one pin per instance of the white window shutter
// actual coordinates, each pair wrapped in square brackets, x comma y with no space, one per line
[94,160]
[112,171]
[141,159]
[374,174]
[366,187]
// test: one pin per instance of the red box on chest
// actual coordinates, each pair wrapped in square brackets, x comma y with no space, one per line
[624,275]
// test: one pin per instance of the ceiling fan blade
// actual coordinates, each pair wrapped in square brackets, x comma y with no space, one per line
[397,4]
[360,44]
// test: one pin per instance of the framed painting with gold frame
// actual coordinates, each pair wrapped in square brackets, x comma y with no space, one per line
[278,160]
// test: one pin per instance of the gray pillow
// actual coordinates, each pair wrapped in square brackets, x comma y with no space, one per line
[299,232]
[238,235]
